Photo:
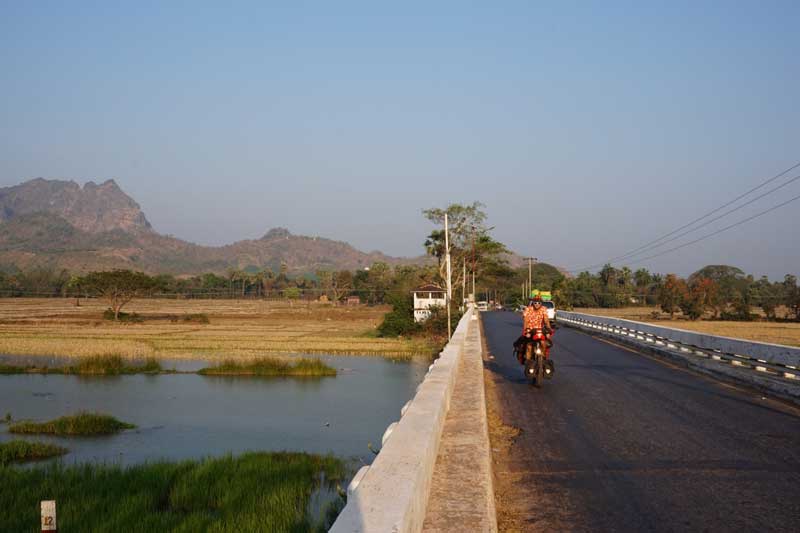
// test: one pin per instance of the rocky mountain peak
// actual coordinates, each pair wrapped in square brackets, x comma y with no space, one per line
[92,208]
[276,233]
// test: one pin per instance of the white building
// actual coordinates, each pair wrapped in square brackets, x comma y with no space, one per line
[426,297]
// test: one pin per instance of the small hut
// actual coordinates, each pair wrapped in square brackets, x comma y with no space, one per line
[426,297]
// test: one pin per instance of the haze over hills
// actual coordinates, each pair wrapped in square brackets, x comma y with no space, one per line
[59,224]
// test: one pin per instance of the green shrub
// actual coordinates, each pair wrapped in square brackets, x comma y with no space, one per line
[436,325]
[400,320]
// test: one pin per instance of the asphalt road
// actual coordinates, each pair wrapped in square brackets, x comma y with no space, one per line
[619,441]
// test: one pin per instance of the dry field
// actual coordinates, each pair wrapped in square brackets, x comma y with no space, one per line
[237,329]
[787,333]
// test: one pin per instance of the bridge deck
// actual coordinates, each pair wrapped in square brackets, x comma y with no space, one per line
[619,441]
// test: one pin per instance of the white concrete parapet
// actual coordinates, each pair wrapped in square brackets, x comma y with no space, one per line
[392,495]
[776,354]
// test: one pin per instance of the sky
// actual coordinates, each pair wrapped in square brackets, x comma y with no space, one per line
[586,128]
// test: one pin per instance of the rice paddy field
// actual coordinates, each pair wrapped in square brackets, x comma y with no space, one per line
[787,333]
[235,329]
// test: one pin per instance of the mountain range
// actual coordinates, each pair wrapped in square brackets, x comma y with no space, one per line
[60,224]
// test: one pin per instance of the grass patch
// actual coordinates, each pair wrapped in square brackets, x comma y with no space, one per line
[252,492]
[82,424]
[12,369]
[129,318]
[100,365]
[113,365]
[19,451]
[196,318]
[269,367]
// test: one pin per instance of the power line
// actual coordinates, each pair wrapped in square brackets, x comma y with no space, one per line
[723,215]
[703,217]
[726,228]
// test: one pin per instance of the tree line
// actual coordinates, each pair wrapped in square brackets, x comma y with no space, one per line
[373,285]
[715,291]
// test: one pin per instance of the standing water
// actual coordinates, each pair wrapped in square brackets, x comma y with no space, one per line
[188,416]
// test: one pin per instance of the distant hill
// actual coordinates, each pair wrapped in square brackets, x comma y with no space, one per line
[59,224]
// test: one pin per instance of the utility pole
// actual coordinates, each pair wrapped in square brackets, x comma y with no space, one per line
[449,275]
[473,263]
[464,285]
[531,260]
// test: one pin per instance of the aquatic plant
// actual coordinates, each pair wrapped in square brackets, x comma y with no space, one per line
[269,366]
[18,451]
[103,365]
[80,424]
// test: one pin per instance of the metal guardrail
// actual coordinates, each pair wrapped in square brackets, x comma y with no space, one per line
[775,360]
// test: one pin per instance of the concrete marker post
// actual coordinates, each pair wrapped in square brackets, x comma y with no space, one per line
[48,516]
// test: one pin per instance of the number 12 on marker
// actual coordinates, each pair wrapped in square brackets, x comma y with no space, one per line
[48,516]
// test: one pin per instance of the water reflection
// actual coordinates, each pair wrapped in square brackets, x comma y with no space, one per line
[190,416]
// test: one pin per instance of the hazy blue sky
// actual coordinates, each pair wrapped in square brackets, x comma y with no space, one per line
[587,128]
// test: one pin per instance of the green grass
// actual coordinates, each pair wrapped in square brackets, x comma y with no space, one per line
[101,365]
[18,451]
[81,424]
[269,367]
[252,492]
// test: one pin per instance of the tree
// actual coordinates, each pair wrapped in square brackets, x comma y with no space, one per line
[119,287]
[340,284]
[767,295]
[670,295]
[697,297]
[791,295]
[335,284]
[642,279]
[469,238]
[732,282]
[292,293]
[434,245]
[74,283]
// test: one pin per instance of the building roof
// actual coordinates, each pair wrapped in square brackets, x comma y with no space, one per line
[430,287]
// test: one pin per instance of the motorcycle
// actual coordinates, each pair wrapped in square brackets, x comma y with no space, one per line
[537,363]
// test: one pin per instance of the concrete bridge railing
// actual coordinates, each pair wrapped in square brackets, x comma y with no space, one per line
[391,495]
[774,360]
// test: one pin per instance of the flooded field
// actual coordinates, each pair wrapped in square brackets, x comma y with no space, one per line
[181,416]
